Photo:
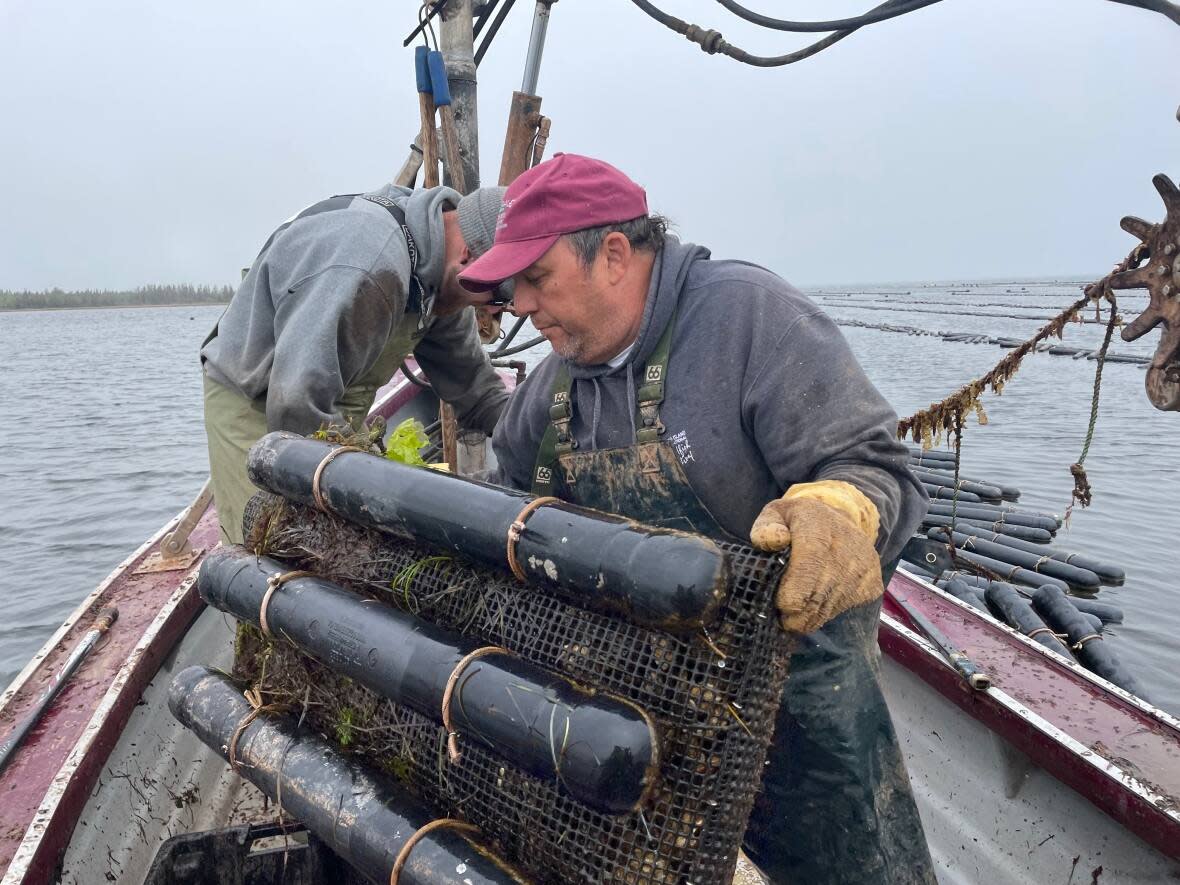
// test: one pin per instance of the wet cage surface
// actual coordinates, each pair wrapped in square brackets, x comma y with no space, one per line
[712,696]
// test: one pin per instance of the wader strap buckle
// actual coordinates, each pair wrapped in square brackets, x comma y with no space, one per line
[561,414]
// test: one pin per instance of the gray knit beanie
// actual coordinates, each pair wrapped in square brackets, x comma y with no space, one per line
[478,212]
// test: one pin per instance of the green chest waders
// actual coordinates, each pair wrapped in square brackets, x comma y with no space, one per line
[835,804]
[233,422]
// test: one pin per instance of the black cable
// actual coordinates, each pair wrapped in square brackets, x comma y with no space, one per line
[435,10]
[414,379]
[520,348]
[841,24]
[507,342]
[1163,7]
[712,42]
[485,13]
[775,61]
[493,30]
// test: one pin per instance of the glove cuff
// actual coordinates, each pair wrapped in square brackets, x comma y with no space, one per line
[844,497]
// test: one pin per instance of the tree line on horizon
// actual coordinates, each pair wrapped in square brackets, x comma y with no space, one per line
[153,295]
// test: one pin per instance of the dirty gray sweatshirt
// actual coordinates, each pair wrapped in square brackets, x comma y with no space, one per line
[762,392]
[314,313]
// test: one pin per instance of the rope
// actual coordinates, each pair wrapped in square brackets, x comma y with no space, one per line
[257,710]
[517,529]
[1039,631]
[1082,493]
[404,855]
[273,583]
[448,692]
[1077,646]
[318,495]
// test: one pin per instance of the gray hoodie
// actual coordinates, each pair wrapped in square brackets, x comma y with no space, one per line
[315,311]
[762,392]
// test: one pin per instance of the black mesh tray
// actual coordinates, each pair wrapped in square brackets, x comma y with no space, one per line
[713,697]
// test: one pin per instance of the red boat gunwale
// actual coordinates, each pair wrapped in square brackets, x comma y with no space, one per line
[1115,749]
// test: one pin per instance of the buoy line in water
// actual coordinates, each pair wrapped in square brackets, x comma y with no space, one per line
[978,338]
[969,313]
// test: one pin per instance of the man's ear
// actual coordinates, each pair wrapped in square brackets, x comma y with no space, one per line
[616,248]
[465,257]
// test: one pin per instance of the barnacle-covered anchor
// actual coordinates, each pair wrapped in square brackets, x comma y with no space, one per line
[1160,276]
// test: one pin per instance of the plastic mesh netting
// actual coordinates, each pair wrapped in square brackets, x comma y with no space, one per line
[712,696]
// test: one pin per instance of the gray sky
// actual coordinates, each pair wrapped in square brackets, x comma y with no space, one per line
[161,142]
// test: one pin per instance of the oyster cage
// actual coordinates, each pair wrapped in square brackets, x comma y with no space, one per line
[713,698]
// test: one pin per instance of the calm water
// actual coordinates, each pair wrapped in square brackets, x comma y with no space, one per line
[102,443]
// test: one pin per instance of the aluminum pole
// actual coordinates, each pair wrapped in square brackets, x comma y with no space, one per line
[532,61]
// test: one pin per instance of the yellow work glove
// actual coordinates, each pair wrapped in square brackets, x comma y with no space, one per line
[831,528]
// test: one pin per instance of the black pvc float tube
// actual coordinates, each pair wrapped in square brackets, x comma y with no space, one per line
[991,513]
[1026,534]
[1017,613]
[656,577]
[988,493]
[602,749]
[1103,611]
[939,492]
[1108,574]
[363,818]
[964,593]
[1094,654]
[1071,574]
[1008,571]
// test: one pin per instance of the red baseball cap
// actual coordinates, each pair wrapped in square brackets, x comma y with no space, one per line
[557,197]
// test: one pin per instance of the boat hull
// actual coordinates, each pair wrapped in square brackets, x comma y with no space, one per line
[1049,765]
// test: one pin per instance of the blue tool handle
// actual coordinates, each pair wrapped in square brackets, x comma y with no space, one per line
[422,68]
[438,79]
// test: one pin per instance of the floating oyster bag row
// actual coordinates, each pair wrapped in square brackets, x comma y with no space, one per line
[606,719]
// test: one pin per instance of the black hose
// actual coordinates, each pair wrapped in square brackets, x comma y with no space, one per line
[484,14]
[516,327]
[425,22]
[520,348]
[1163,7]
[712,42]
[878,14]
[493,30]
[414,379]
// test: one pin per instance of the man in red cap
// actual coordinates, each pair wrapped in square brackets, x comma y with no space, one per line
[711,395]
